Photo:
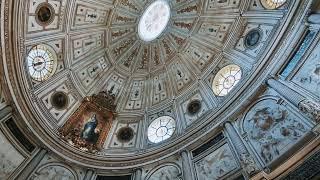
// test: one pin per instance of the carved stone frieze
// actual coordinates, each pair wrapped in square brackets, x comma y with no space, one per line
[311,108]
[249,163]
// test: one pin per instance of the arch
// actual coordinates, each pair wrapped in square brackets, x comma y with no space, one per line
[166,166]
[54,173]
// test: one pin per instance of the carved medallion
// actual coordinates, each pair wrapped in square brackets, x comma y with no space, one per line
[59,100]
[44,14]
[125,134]
[194,107]
[253,38]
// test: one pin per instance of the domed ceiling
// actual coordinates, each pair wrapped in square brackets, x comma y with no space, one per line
[191,62]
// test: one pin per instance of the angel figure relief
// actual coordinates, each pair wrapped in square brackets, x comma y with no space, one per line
[272,130]
[216,165]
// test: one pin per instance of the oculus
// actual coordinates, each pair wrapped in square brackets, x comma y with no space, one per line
[154,20]
[226,79]
[194,107]
[161,129]
[272,4]
[44,14]
[42,62]
[253,38]
[59,100]
[125,134]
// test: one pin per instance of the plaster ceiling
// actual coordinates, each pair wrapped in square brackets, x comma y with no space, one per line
[98,49]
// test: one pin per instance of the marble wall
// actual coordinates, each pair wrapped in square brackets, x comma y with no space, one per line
[10,158]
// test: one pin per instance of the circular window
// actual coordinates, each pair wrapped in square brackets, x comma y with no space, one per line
[252,39]
[226,79]
[154,20]
[59,100]
[161,129]
[125,134]
[194,107]
[44,14]
[272,4]
[42,62]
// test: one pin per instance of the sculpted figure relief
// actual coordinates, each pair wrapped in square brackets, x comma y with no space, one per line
[166,173]
[53,173]
[272,129]
[216,165]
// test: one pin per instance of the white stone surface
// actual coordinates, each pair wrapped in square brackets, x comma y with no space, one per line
[154,20]
[10,158]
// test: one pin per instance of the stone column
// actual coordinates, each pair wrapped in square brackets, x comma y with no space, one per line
[89,174]
[307,106]
[32,165]
[186,165]
[138,174]
[4,112]
[247,161]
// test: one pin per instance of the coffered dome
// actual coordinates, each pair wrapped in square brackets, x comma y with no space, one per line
[155,57]
[117,84]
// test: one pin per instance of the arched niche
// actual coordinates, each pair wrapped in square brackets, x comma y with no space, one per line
[54,171]
[165,171]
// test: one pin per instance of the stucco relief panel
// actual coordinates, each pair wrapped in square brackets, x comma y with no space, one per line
[88,14]
[53,172]
[45,16]
[86,44]
[59,101]
[254,37]
[2,100]
[181,76]
[90,73]
[216,165]
[194,107]
[272,129]
[122,139]
[160,89]
[308,76]
[166,172]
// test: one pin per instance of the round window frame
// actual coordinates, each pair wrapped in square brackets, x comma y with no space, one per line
[163,140]
[218,73]
[165,27]
[54,65]
[266,6]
